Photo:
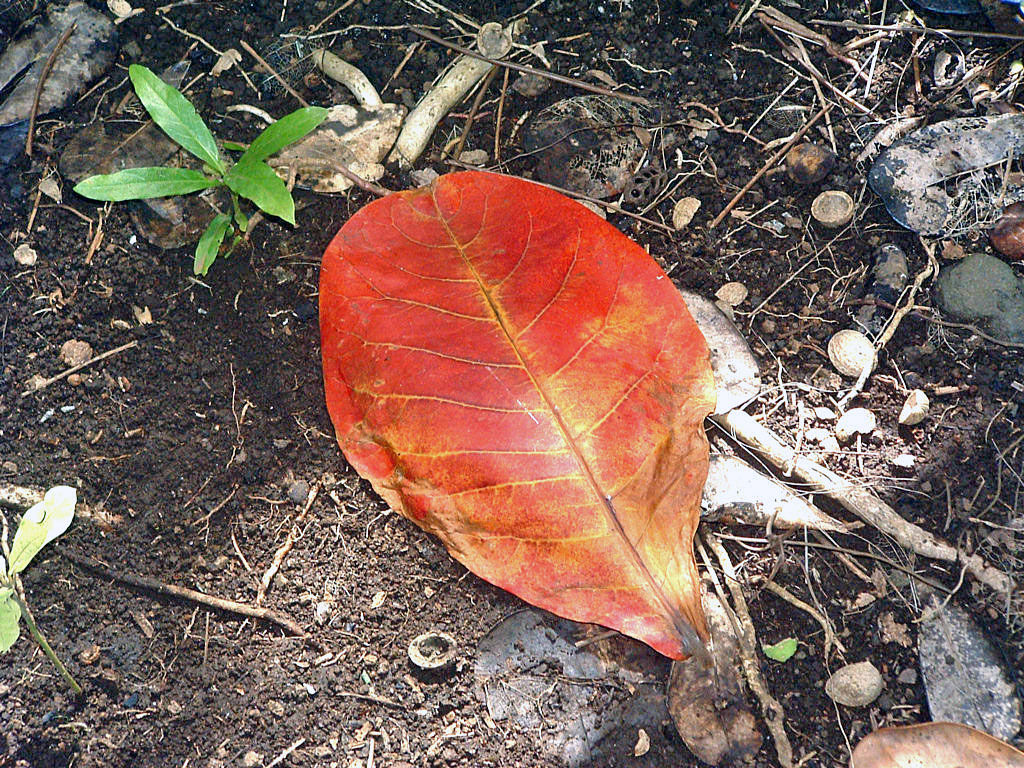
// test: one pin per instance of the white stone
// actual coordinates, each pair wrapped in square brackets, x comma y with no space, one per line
[850,352]
[855,685]
[904,461]
[856,421]
[25,255]
[915,409]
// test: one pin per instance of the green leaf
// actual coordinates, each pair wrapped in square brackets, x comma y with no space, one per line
[782,650]
[283,132]
[42,524]
[10,615]
[234,145]
[241,220]
[257,181]
[139,183]
[209,243]
[175,115]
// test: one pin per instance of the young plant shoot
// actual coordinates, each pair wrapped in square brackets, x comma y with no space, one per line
[250,177]
[41,524]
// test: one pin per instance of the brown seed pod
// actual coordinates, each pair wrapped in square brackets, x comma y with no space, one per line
[808,163]
[1007,235]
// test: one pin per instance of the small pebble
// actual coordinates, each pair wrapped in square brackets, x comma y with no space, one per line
[908,676]
[856,421]
[423,177]
[321,612]
[855,685]
[474,157]
[850,351]
[915,409]
[252,759]
[684,211]
[298,491]
[74,352]
[732,294]
[821,413]
[904,461]
[25,255]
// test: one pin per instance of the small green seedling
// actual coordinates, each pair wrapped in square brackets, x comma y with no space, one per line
[782,651]
[41,524]
[250,177]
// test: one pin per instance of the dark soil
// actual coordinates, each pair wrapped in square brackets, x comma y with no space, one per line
[193,448]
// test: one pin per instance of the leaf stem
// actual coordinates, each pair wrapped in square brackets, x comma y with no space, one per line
[38,636]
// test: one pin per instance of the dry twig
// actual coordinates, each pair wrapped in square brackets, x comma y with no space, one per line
[285,548]
[774,714]
[73,369]
[859,501]
[219,603]
[42,80]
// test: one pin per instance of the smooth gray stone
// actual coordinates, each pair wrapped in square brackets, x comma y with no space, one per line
[985,290]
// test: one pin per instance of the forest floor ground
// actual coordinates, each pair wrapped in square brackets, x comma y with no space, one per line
[196,448]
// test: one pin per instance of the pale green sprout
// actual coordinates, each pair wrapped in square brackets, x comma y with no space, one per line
[250,177]
[782,651]
[40,525]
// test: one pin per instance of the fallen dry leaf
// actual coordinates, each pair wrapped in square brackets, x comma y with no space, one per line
[934,745]
[516,376]
[707,702]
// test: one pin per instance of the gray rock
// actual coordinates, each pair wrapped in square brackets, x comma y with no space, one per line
[298,491]
[964,675]
[983,289]
[908,676]
[855,685]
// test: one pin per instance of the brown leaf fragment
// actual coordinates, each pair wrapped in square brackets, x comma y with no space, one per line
[708,704]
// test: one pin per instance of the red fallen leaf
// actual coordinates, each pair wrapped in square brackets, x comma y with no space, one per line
[516,376]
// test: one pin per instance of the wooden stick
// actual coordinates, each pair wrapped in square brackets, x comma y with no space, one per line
[73,369]
[769,164]
[530,70]
[746,636]
[285,548]
[859,501]
[219,603]
[39,85]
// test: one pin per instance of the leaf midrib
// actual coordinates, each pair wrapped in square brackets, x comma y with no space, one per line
[678,621]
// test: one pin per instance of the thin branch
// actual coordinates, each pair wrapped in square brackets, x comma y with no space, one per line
[529,70]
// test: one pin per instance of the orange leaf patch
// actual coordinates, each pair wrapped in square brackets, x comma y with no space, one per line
[516,376]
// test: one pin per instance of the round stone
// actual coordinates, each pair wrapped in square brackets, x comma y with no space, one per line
[851,352]
[855,685]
